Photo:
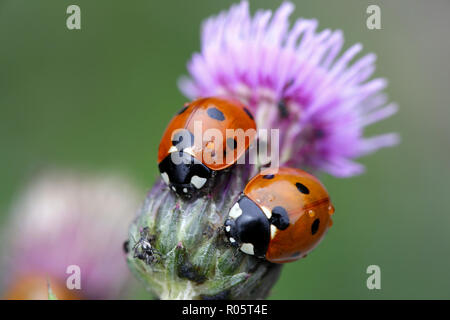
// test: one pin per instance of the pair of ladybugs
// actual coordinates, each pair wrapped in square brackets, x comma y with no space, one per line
[279,217]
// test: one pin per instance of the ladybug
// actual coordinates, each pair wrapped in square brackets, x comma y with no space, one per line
[280,217]
[187,162]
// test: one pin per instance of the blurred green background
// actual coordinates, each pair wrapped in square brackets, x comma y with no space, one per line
[99,98]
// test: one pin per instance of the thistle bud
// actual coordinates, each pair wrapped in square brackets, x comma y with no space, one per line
[178,248]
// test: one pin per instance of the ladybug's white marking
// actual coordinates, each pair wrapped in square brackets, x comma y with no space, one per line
[185,190]
[173,188]
[235,211]
[267,212]
[198,182]
[173,149]
[228,228]
[189,151]
[247,248]
[273,231]
[165,178]
[232,240]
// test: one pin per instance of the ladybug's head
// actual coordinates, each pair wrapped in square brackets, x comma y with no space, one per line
[184,174]
[248,228]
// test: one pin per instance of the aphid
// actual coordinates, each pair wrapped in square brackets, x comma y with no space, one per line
[126,246]
[280,217]
[144,250]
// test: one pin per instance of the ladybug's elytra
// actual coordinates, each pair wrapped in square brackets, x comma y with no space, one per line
[280,217]
[187,162]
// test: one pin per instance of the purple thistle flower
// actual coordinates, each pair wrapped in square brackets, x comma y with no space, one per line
[297,80]
[65,219]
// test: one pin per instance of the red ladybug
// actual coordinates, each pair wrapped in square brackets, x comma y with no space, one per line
[280,217]
[187,162]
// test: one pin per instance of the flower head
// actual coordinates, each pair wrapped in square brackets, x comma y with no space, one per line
[186,254]
[295,79]
[65,219]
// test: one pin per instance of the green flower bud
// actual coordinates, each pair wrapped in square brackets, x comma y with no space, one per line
[178,248]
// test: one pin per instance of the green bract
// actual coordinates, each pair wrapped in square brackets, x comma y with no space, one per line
[196,260]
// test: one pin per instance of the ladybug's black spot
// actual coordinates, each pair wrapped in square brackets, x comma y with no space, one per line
[248,113]
[302,188]
[231,143]
[279,218]
[177,140]
[182,110]
[183,139]
[215,114]
[315,226]
[268,176]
